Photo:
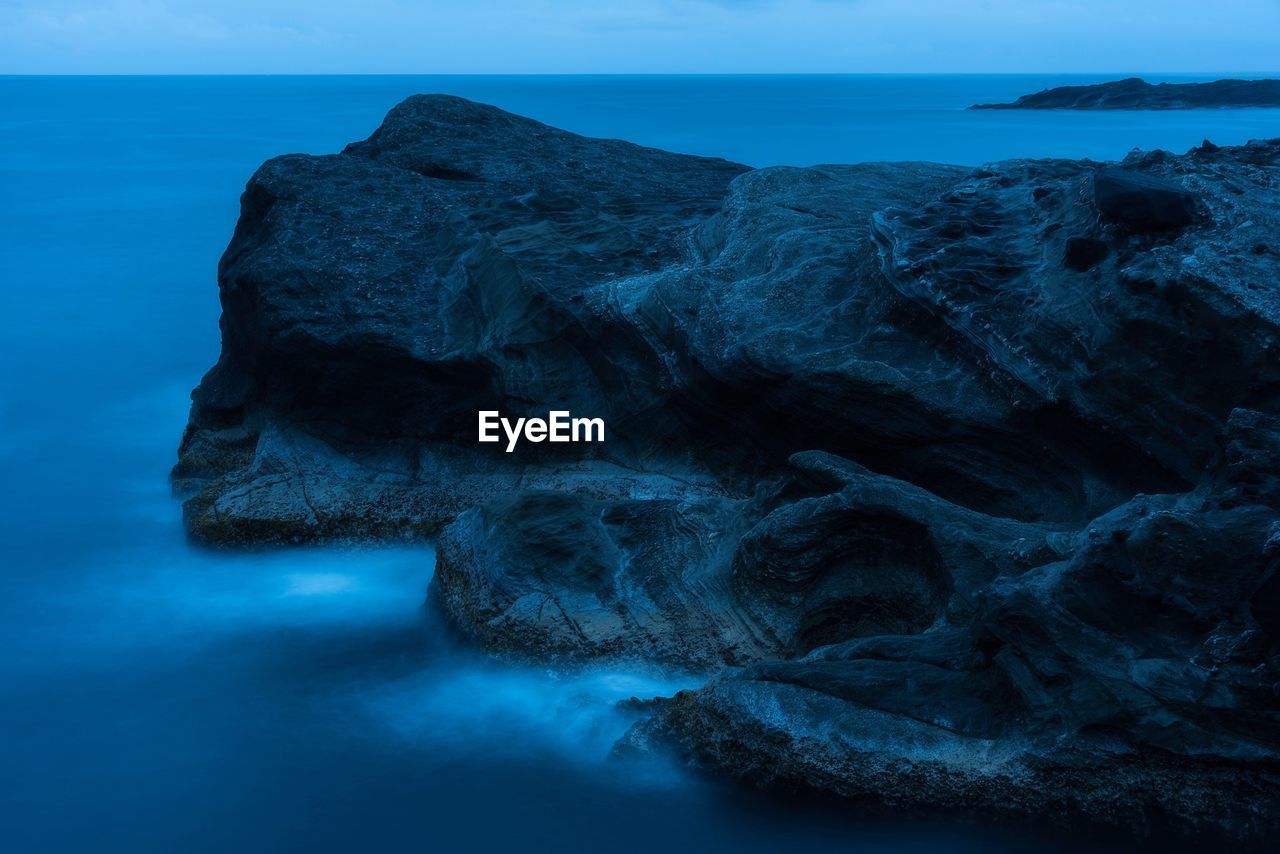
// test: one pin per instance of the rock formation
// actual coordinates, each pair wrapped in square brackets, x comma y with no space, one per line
[962,486]
[1134,93]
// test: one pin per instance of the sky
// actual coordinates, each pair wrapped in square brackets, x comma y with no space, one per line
[641,36]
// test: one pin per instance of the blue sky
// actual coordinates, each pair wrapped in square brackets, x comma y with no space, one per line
[642,36]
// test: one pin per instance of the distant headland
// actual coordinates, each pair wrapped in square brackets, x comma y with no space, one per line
[1134,93]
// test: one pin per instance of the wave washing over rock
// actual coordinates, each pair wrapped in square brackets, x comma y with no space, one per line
[965,485]
[1134,93]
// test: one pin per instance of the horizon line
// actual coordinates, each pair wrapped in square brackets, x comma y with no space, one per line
[1119,74]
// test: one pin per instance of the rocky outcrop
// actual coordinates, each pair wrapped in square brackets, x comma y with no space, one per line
[963,484]
[459,259]
[1134,93]
[1131,681]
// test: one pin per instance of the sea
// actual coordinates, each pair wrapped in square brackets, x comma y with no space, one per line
[157,697]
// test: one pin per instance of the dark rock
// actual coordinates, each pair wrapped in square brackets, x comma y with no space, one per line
[373,301]
[1141,203]
[975,532]
[565,575]
[1134,93]
[1084,253]
[693,582]
[1128,683]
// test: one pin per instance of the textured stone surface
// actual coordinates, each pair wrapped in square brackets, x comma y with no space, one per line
[459,259]
[966,483]
[1131,682]
[1134,93]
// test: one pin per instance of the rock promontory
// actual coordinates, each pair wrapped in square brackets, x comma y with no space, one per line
[961,486]
[1134,93]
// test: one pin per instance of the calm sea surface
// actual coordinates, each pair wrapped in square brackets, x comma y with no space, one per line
[158,698]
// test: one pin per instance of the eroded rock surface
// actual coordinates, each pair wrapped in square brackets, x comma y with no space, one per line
[1130,682]
[965,482]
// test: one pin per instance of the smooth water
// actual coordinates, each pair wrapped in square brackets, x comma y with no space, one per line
[159,698]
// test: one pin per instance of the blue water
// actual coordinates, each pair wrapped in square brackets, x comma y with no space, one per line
[157,698]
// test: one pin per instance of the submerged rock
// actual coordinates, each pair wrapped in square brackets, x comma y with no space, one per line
[965,481]
[1134,93]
